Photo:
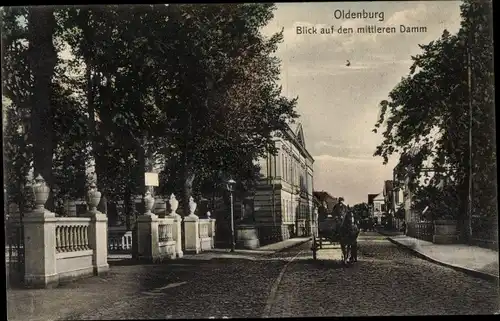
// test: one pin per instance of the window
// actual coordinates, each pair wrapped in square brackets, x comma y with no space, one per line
[286,168]
[288,210]
[282,164]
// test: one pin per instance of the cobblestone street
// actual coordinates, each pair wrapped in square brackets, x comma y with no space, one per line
[387,280]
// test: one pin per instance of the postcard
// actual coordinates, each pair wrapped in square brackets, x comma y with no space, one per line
[249,160]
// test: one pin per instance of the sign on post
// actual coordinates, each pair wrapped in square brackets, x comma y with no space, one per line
[151,179]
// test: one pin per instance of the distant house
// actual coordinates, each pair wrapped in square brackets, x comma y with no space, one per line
[370,202]
[378,206]
[388,196]
[408,196]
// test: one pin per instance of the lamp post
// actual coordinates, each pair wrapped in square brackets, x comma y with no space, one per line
[230,187]
[297,215]
[314,247]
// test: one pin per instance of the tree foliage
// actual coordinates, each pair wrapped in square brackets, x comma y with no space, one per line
[361,211]
[427,114]
[192,85]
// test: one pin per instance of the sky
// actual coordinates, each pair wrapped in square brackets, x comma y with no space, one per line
[339,104]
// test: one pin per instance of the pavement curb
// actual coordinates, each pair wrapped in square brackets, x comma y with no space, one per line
[290,246]
[475,273]
[386,234]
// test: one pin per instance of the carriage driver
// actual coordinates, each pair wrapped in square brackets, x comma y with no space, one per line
[340,209]
[338,213]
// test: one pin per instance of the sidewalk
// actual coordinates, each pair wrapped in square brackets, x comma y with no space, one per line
[237,254]
[389,233]
[249,254]
[122,283]
[472,260]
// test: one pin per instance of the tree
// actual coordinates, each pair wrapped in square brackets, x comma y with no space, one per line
[227,102]
[427,114]
[135,95]
[361,211]
[17,83]
[42,57]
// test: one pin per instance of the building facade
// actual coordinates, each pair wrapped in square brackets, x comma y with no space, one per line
[370,203]
[283,201]
[393,197]
[379,207]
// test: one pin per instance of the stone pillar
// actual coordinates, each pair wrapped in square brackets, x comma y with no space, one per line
[147,232]
[177,233]
[40,241]
[191,230]
[212,229]
[147,237]
[98,232]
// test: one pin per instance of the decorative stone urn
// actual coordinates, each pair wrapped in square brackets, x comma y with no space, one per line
[149,201]
[41,193]
[209,214]
[192,206]
[174,204]
[93,198]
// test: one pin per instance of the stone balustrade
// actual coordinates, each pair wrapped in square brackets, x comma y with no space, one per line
[159,238]
[119,240]
[72,234]
[166,237]
[63,248]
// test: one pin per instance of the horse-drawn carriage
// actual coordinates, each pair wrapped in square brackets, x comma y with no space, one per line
[336,230]
[328,230]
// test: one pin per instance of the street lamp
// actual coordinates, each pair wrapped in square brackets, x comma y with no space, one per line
[230,187]
[314,247]
[297,214]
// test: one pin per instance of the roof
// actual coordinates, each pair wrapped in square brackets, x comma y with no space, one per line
[299,133]
[297,137]
[379,196]
[371,197]
[323,196]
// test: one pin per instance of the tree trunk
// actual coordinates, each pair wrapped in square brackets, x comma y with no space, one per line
[189,177]
[127,204]
[462,217]
[43,58]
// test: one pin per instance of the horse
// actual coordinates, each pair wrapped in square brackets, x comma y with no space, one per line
[349,232]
